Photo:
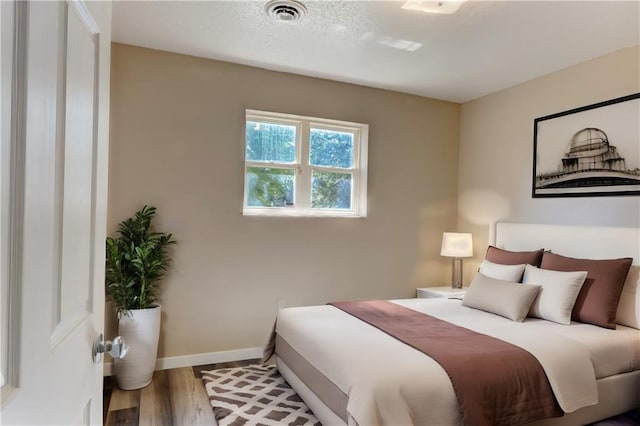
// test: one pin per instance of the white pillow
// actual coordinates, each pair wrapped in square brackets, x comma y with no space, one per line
[507,299]
[558,293]
[511,273]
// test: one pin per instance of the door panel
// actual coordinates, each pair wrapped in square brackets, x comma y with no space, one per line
[74,173]
[65,144]
[12,17]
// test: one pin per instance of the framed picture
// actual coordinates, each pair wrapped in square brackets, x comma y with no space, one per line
[588,151]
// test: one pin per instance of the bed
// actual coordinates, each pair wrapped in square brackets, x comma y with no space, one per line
[349,372]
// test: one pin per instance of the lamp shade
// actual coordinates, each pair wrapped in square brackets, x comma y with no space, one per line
[456,244]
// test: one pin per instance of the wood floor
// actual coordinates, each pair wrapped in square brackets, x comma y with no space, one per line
[174,397]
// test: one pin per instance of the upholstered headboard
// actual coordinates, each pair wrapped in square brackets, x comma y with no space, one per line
[589,242]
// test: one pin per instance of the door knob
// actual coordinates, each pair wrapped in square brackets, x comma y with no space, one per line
[117,348]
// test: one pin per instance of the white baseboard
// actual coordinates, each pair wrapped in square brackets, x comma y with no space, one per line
[199,359]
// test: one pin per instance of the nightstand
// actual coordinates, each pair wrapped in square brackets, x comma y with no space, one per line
[438,292]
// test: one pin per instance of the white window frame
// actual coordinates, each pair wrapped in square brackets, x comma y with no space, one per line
[304,170]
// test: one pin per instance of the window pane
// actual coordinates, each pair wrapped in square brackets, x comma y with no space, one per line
[331,190]
[269,187]
[271,142]
[331,149]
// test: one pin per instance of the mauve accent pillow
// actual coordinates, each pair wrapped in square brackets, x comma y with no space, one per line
[506,257]
[598,299]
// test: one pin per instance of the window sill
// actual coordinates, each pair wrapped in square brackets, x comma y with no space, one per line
[289,212]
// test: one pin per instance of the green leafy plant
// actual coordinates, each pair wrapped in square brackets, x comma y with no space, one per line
[136,261]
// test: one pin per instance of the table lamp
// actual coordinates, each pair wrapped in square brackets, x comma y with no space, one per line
[456,245]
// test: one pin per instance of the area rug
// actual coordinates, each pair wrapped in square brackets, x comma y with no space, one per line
[255,395]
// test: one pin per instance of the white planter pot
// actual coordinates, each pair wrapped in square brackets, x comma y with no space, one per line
[141,330]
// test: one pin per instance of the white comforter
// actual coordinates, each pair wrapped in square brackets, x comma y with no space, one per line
[390,383]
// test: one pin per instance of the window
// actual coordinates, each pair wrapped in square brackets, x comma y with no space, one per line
[304,166]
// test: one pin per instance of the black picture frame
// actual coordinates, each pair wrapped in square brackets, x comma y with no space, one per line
[587,163]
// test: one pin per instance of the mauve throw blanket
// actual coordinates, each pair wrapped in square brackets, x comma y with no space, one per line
[496,383]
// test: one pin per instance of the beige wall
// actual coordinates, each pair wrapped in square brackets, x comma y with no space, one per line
[177,131]
[496,149]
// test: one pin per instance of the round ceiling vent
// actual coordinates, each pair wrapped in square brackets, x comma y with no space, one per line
[286,10]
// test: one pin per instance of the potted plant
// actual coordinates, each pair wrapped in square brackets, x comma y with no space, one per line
[136,261]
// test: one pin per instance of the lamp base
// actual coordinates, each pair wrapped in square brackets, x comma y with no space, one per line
[456,273]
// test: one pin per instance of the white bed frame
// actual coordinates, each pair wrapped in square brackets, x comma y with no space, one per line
[617,394]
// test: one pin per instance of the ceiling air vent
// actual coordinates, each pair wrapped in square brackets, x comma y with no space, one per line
[286,10]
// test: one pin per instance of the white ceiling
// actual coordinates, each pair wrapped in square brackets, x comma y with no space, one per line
[486,46]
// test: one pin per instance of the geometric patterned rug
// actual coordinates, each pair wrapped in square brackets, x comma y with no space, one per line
[258,395]
[255,395]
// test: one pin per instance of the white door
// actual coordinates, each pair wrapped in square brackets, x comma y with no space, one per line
[54,212]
